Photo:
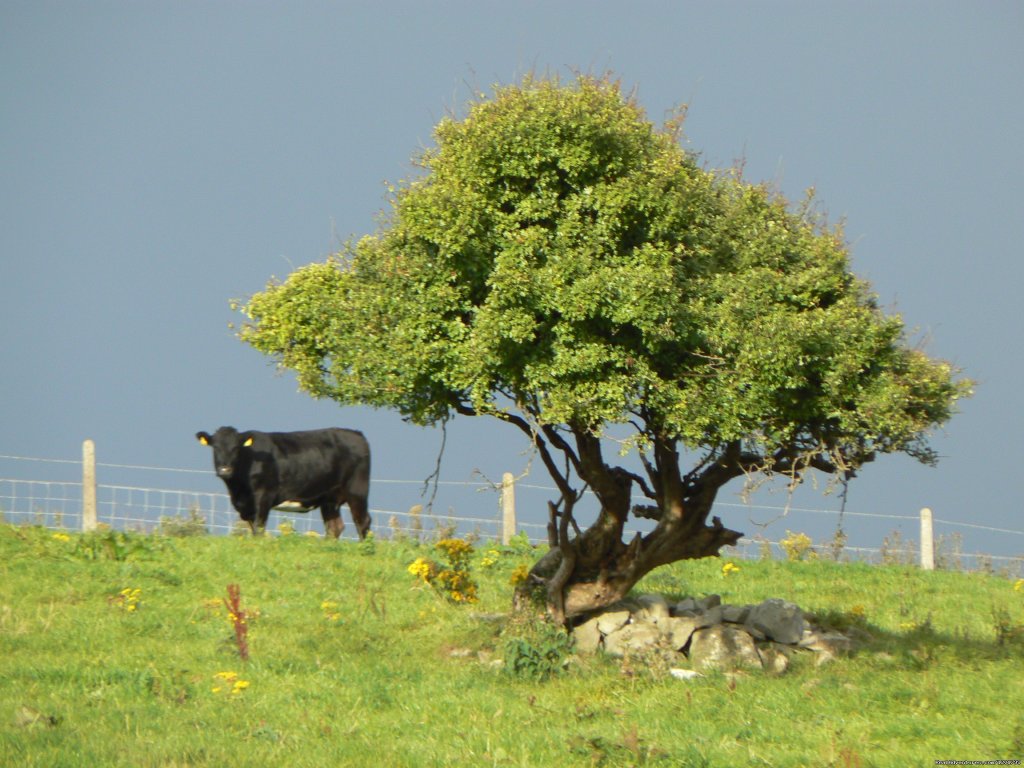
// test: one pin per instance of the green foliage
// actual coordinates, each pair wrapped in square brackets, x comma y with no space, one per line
[535,648]
[520,544]
[177,526]
[560,255]
[628,750]
[368,546]
[106,544]
[1009,632]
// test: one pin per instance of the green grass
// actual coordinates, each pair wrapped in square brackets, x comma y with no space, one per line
[404,678]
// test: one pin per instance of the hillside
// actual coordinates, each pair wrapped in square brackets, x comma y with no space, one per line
[118,650]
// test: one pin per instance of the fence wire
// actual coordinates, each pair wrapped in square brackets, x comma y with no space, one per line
[58,504]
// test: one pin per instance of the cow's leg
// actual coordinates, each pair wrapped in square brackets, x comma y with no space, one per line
[263,503]
[248,515]
[360,514]
[333,524]
[245,505]
[253,528]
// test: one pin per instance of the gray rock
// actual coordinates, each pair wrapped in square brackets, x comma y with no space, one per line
[827,646]
[632,638]
[612,621]
[774,658]
[703,618]
[723,647]
[689,606]
[711,616]
[754,632]
[587,636]
[778,620]
[678,630]
[685,606]
[706,603]
[714,635]
[653,608]
[630,604]
[735,614]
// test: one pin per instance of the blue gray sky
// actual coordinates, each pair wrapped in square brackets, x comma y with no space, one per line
[158,159]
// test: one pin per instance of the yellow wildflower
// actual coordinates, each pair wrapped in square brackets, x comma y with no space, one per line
[229,682]
[730,568]
[455,546]
[127,599]
[330,609]
[422,569]
[456,550]
[519,575]
[798,546]
[490,558]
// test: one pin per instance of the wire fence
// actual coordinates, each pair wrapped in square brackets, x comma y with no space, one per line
[58,504]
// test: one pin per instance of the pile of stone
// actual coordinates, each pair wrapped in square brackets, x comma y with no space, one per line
[709,634]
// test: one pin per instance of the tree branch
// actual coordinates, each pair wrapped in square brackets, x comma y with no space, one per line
[560,479]
[556,584]
[652,473]
[436,474]
[551,433]
[644,488]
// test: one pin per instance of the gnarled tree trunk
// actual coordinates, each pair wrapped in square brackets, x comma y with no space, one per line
[597,568]
[588,570]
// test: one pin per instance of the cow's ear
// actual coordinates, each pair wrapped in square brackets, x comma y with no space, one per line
[203,438]
[248,442]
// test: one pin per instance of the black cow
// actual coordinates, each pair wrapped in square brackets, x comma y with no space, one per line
[318,468]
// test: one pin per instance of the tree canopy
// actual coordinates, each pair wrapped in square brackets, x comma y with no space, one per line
[562,264]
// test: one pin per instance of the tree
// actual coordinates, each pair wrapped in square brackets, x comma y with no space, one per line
[561,264]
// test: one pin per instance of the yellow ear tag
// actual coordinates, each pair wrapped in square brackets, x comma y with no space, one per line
[203,440]
[247,443]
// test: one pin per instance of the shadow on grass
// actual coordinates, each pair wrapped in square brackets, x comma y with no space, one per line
[919,645]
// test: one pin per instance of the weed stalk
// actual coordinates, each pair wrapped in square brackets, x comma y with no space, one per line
[233,603]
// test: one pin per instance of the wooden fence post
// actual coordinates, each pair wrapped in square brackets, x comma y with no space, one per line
[927,541]
[88,486]
[508,508]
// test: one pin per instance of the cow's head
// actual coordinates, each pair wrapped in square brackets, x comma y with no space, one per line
[228,449]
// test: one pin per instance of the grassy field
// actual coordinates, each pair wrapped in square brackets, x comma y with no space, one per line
[118,650]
